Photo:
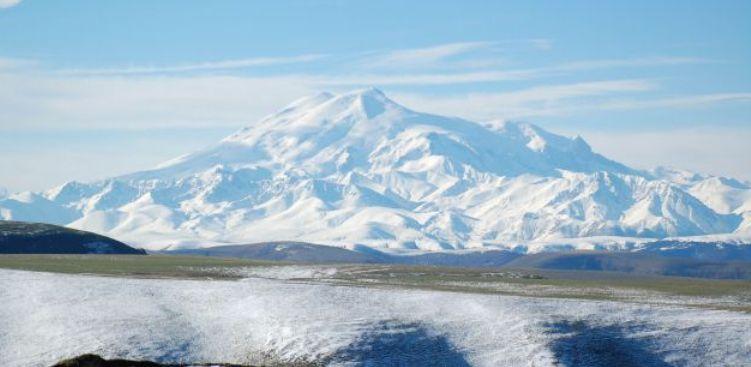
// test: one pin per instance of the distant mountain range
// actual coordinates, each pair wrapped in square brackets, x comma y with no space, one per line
[358,169]
[686,259]
[301,252]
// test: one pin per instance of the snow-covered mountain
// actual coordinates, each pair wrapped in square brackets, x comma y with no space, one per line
[360,169]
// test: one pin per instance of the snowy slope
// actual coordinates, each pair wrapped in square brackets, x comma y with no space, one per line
[47,317]
[358,168]
[722,194]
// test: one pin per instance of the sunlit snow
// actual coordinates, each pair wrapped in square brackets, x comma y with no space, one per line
[358,168]
[46,317]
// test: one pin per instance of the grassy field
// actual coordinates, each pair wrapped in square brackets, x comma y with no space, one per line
[151,266]
[721,294]
[732,295]
[433,276]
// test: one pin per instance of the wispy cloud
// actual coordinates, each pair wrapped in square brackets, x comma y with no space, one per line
[541,43]
[34,102]
[535,101]
[564,100]
[4,4]
[430,79]
[671,102]
[201,66]
[458,55]
[190,95]
[403,59]
[485,75]
[629,62]
[554,93]
[13,63]
[445,64]
[42,101]
[421,56]
[146,101]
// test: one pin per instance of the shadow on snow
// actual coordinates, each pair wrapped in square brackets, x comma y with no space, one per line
[584,345]
[397,344]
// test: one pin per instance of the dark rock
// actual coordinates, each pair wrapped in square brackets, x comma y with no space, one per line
[93,360]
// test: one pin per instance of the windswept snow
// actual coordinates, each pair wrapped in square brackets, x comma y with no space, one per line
[46,317]
[358,168]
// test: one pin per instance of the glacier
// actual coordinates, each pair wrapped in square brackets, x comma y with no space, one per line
[359,169]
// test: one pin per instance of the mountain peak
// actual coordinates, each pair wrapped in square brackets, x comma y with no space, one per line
[539,139]
[369,92]
[311,100]
[358,168]
[366,102]
[365,129]
[370,102]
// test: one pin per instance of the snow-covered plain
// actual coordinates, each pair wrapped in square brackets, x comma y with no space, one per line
[45,317]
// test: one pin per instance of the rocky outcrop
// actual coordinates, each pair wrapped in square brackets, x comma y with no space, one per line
[93,360]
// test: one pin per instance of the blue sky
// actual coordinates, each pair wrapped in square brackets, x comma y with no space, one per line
[90,89]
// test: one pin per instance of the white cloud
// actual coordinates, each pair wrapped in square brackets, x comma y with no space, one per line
[672,102]
[8,3]
[541,44]
[552,93]
[632,62]
[399,67]
[201,66]
[206,94]
[480,74]
[43,101]
[406,58]
[458,55]
[33,101]
[429,79]
[561,100]
[12,63]
[536,101]
[74,102]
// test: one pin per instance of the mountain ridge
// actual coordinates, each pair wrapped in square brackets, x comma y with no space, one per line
[360,169]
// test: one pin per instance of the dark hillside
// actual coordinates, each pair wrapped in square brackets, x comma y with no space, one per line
[40,238]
